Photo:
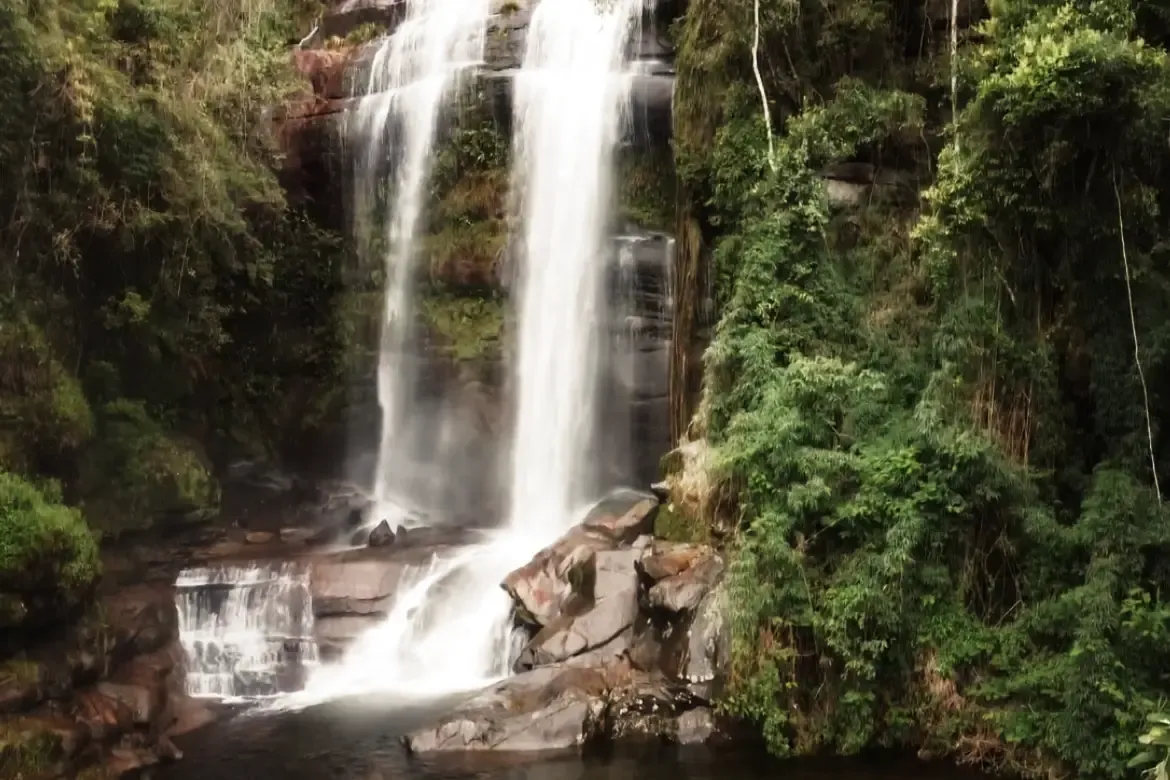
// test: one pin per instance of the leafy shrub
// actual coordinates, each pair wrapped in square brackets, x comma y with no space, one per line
[141,473]
[47,553]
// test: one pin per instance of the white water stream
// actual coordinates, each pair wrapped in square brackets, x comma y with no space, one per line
[411,76]
[244,628]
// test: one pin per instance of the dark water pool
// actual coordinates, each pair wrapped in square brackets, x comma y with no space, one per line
[359,740]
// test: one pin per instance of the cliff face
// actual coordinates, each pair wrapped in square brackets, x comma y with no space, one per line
[464,329]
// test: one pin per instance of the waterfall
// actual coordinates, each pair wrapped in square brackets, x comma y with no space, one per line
[245,631]
[394,129]
[570,102]
[449,626]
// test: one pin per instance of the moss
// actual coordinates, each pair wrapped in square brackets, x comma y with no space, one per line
[41,403]
[467,328]
[646,188]
[465,255]
[23,672]
[27,748]
[142,473]
[674,525]
[46,550]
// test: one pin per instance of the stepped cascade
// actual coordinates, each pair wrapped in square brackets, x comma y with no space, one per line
[245,630]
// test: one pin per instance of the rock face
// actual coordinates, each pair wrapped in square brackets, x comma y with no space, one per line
[627,640]
[109,695]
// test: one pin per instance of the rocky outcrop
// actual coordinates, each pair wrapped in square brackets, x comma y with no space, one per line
[626,640]
[109,694]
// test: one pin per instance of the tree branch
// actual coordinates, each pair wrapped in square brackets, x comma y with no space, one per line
[1133,328]
[760,84]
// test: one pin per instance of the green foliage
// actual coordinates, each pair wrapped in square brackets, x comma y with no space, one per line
[646,189]
[147,236]
[929,414]
[47,555]
[466,328]
[1158,754]
[141,473]
[43,412]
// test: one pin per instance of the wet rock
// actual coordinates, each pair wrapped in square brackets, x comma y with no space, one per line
[166,750]
[695,727]
[612,612]
[142,702]
[647,708]
[545,709]
[141,619]
[354,587]
[260,537]
[296,535]
[189,714]
[360,538]
[661,490]
[381,535]
[557,578]
[706,653]
[666,559]
[683,592]
[335,633]
[627,527]
[105,717]
[130,762]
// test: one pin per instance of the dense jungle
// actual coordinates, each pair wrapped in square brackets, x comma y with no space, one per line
[921,359]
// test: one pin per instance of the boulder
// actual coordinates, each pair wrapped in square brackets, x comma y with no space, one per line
[545,709]
[695,727]
[381,535]
[559,577]
[682,592]
[666,559]
[627,527]
[706,651]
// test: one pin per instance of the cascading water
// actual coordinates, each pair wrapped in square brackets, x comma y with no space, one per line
[245,631]
[394,127]
[449,628]
[570,100]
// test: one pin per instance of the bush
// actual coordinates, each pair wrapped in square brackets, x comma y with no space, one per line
[47,554]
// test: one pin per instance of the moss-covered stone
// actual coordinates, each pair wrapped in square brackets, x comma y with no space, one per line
[142,473]
[29,748]
[465,256]
[646,188]
[465,328]
[42,406]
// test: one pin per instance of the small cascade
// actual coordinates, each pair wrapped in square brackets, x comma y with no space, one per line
[393,130]
[246,631]
[447,630]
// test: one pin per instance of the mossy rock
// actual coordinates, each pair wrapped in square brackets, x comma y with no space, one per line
[140,473]
[42,403]
[646,188]
[465,256]
[32,747]
[465,328]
